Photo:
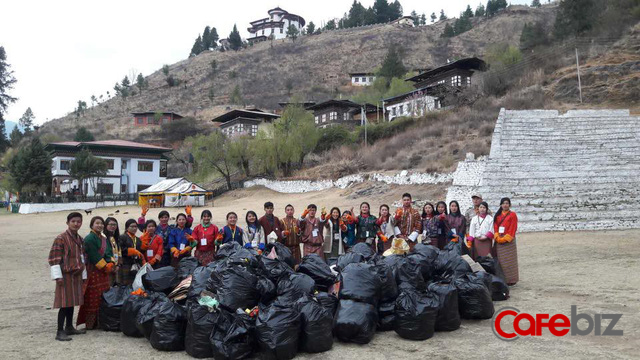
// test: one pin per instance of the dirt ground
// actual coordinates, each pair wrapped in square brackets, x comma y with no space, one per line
[597,271]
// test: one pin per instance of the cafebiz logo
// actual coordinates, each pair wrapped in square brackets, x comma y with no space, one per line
[558,324]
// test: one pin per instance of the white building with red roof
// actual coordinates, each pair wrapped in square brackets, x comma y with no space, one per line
[131,166]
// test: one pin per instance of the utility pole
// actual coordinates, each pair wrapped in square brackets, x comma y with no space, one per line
[578,67]
[363,116]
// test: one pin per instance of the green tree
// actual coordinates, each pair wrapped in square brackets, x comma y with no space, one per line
[197,47]
[533,35]
[213,38]
[26,121]
[141,82]
[461,25]
[94,100]
[211,153]
[423,19]
[82,107]
[4,142]
[331,25]
[214,67]
[236,96]
[235,42]
[311,28]
[356,15]
[501,55]
[395,11]
[240,153]
[468,12]
[536,3]
[442,15]
[165,69]
[206,38]
[172,81]
[433,17]
[15,137]
[575,17]
[381,9]
[30,168]
[83,135]
[86,166]
[297,137]
[415,17]
[448,31]
[480,11]
[392,65]
[292,32]
[157,117]
[494,6]
[7,81]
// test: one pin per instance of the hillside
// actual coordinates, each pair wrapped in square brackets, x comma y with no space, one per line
[315,66]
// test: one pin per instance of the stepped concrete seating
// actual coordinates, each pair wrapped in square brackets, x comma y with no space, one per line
[576,171]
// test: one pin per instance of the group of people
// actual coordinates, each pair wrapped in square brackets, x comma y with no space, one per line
[84,268]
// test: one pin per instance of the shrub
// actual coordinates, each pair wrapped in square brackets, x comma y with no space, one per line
[334,136]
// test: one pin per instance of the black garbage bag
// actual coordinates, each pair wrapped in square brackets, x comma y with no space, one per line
[416,315]
[328,301]
[186,266]
[278,330]
[426,256]
[317,325]
[236,287]
[448,314]
[132,305]
[490,265]
[348,258]
[409,275]
[169,327]
[499,288]
[282,252]
[295,286]
[111,306]
[387,315]
[388,285]
[485,277]
[200,322]
[274,269]
[146,315]
[360,282]
[474,298]
[355,322]
[393,262]
[363,249]
[164,279]
[199,280]
[266,289]
[233,253]
[450,264]
[314,266]
[233,336]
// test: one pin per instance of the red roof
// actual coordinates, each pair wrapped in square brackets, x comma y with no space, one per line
[114,143]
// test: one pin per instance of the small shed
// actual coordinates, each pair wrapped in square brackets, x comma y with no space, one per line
[176,192]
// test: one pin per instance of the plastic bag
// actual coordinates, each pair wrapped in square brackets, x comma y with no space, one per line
[317,325]
[425,256]
[360,282]
[474,298]
[388,285]
[199,280]
[318,270]
[387,315]
[499,289]
[233,253]
[450,265]
[328,301]
[137,282]
[132,305]
[363,249]
[186,266]
[164,280]
[274,269]
[146,315]
[416,315]
[200,323]
[490,265]
[355,322]
[236,287]
[111,306]
[348,258]
[295,286]
[278,329]
[283,252]
[266,289]
[448,314]
[233,336]
[169,327]
[409,275]
[393,262]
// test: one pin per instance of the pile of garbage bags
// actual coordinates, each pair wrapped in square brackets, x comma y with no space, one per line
[245,304]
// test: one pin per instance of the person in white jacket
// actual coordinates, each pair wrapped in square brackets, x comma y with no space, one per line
[386,222]
[481,232]
[333,245]
[253,237]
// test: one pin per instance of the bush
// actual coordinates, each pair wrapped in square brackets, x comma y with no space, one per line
[179,130]
[334,136]
[386,129]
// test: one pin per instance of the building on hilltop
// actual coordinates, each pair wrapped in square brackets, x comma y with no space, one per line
[131,166]
[404,21]
[149,118]
[362,78]
[342,112]
[275,25]
[244,121]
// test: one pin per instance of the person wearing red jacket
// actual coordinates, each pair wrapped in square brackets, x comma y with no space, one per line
[205,235]
[505,226]
[152,245]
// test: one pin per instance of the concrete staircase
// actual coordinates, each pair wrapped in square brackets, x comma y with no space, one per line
[576,171]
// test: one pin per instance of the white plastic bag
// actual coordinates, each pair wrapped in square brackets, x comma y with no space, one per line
[137,283]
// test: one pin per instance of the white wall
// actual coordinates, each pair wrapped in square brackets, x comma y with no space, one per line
[369,79]
[39,208]
[412,107]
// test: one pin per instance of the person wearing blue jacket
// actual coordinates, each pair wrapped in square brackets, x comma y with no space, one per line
[180,240]
[231,232]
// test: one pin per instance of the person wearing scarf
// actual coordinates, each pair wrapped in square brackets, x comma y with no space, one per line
[180,240]
[112,232]
[132,257]
[430,226]
[386,223]
[254,237]
[152,244]
[163,229]
[99,266]
[480,238]
[231,232]
[333,243]
[205,235]
[407,221]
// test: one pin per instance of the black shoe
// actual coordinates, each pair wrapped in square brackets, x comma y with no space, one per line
[71,331]
[62,336]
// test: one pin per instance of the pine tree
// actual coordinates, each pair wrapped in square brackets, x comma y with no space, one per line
[15,137]
[433,17]
[533,35]
[392,65]
[331,25]
[197,47]
[462,25]
[4,142]
[86,166]
[26,121]
[575,17]
[381,9]
[141,82]
[536,3]
[423,19]
[356,15]
[480,11]
[206,38]
[292,32]
[7,81]
[83,135]
[311,28]
[235,41]
[165,69]
[30,168]
[468,13]
[415,17]
[213,38]
[442,15]
[236,96]
[395,11]
[448,31]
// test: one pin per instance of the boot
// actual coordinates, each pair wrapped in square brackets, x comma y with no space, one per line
[69,330]
[62,336]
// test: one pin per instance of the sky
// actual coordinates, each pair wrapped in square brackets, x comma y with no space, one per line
[67,50]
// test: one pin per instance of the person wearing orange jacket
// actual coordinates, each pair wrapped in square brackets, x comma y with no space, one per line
[505,226]
[205,234]
[152,244]
[132,257]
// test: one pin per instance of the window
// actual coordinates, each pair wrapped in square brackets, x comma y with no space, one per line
[371,79]
[110,164]
[254,130]
[345,116]
[140,120]
[280,30]
[317,118]
[123,189]
[165,120]
[146,166]
[65,164]
[142,187]
[393,111]
[364,79]
[324,117]
[163,168]
[104,189]
[401,109]
[124,165]
[333,116]
[357,79]
[455,80]
[441,81]
[468,80]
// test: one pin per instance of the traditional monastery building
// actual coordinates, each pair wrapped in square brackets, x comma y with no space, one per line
[149,118]
[276,25]
[244,121]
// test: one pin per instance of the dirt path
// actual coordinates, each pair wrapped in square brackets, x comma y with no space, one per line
[597,271]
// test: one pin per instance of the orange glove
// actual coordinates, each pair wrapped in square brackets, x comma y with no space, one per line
[323,214]
[219,237]
[350,219]
[455,239]
[108,268]
[175,252]
[139,292]
[189,237]
[134,253]
[186,250]
[286,233]
[469,244]
[382,237]
[379,221]
[399,214]
[305,213]
[187,209]
[145,209]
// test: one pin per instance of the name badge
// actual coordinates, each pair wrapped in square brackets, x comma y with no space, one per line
[366,234]
[314,232]
[182,246]
[453,231]
[82,258]
[501,229]
[149,253]
[336,236]
[424,233]
[116,257]
[203,242]
[254,243]
[84,274]
[439,231]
